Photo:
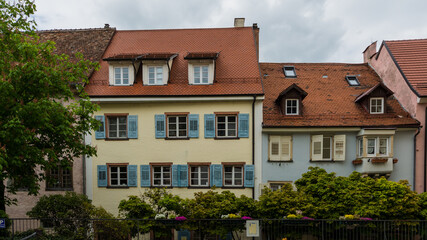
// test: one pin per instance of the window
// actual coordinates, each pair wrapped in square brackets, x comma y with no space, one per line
[371,146]
[233,176]
[377,105]
[161,175]
[226,126]
[377,146]
[155,75]
[118,175]
[280,148]
[383,146]
[289,71]
[328,147]
[177,126]
[276,185]
[201,74]
[291,106]
[352,80]
[59,179]
[199,176]
[117,126]
[360,147]
[121,76]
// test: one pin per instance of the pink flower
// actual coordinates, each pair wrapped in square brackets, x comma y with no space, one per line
[181,218]
[365,219]
[246,218]
[307,218]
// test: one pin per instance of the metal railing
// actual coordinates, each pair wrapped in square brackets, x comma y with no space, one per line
[212,229]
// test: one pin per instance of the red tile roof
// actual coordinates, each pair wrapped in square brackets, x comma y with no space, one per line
[411,57]
[237,71]
[330,100]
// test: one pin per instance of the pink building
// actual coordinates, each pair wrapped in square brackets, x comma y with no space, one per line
[402,65]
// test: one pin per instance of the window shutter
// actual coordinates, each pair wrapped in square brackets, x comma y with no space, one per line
[249,175]
[175,175]
[100,133]
[339,147]
[132,177]
[244,125]
[317,147]
[194,125]
[133,126]
[216,175]
[102,175]
[183,175]
[274,148]
[209,125]
[145,176]
[285,147]
[160,125]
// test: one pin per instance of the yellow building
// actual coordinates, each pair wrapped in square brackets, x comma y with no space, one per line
[180,109]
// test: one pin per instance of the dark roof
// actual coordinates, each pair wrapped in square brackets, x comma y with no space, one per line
[330,99]
[379,85]
[202,55]
[292,87]
[236,68]
[410,56]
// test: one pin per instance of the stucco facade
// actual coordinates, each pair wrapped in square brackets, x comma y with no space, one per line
[382,62]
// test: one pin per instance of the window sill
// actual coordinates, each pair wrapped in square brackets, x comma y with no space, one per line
[233,187]
[186,138]
[167,187]
[117,187]
[116,139]
[280,161]
[226,138]
[199,187]
[59,189]
[326,160]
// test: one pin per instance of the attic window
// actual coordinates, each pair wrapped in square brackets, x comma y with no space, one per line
[289,71]
[352,80]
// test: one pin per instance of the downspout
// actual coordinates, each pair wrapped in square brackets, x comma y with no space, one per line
[169,70]
[425,154]
[415,155]
[253,141]
[84,174]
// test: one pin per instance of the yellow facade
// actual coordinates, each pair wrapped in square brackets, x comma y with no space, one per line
[147,149]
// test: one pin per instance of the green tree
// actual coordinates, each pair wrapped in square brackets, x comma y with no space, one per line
[42,117]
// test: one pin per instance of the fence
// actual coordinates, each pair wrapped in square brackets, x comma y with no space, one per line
[215,229]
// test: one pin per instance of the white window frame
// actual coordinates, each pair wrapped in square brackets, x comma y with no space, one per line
[375,146]
[281,141]
[177,129]
[199,178]
[378,146]
[335,155]
[386,146]
[201,63]
[117,130]
[290,71]
[360,147]
[233,176]
[118,178]
[121,68]
[162,177]
[201,78]
[156,80]
[289,106]
[375,106]
[226,126]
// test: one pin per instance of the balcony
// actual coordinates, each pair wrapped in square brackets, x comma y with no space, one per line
[374,165]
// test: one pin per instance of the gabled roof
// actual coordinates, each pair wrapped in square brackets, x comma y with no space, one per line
[292,87]
[330,99]
[410,57]
[367,93]
[236,67]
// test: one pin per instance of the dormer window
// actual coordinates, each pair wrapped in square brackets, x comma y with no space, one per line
[156,68]
[121,76]
[292,106]
[121,69]
[376,105]
[155,75]
[201,67]
[352,80]
[289,71]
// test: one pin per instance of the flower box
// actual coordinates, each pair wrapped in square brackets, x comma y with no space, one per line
[357,161]
[379,160]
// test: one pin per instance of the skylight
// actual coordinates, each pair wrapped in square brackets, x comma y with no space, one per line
[289,71]
[352,80]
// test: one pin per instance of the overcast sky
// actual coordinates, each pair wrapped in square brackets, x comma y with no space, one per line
[290,30]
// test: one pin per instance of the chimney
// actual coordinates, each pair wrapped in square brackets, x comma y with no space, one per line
[107,25]
[369,52]
[256,37]
[239,22]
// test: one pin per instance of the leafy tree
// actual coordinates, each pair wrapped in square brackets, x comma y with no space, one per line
[423,205]
[42,118]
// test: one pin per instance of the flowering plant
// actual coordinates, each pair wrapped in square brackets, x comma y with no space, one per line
[307,218]
[181,218]
[365,219]
[348,217]
[246,218]
[292,216]
[160,216]
[230,216]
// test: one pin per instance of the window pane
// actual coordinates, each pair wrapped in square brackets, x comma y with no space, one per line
[371,146]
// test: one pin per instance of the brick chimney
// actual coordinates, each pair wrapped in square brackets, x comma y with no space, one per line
[369,52]
[239,22]
[256,37]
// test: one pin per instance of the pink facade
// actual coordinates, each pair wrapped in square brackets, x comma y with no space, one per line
[387,69]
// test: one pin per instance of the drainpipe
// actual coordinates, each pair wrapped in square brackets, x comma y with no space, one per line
[415,154]
[253,142]
[425,154]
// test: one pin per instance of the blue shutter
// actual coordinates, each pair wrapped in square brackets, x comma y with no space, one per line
[145,176]
[132,177]
[175,176]
[249,175]
[216,175]
[100,133]
[133,126]
[194,125]
[160,125]
[244,125]
[184,234]
[209,125]
[102,175]
[183,175]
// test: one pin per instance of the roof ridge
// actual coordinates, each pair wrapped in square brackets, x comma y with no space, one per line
[75,30]
[313,63]
[404,40]
[179,29]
